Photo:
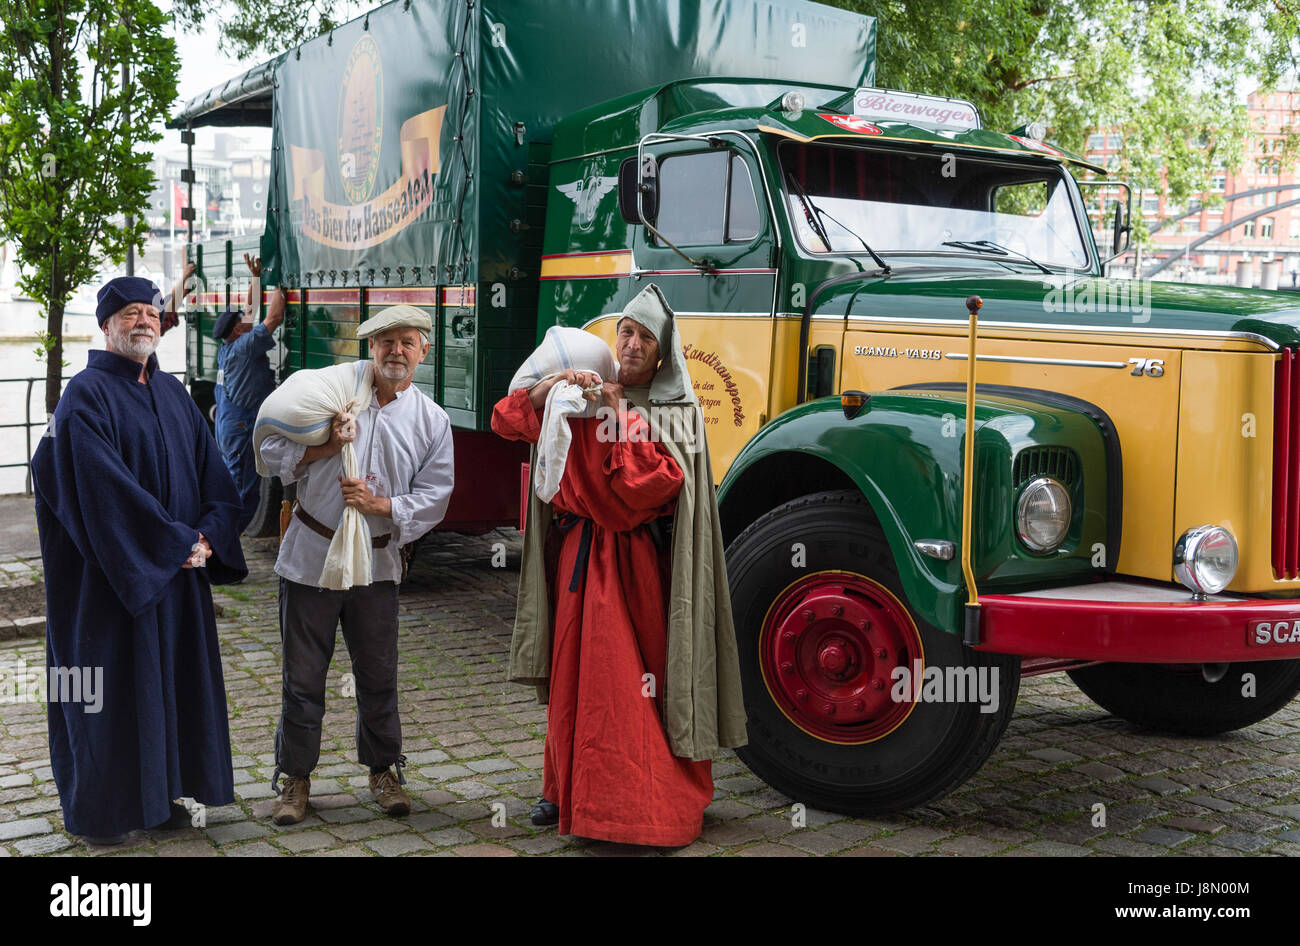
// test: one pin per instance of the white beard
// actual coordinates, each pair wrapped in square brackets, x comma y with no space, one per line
[134,344]
[394,372]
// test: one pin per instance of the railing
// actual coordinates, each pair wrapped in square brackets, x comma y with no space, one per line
[27,424]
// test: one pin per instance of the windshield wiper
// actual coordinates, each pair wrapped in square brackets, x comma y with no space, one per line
[820,226]
[988,246]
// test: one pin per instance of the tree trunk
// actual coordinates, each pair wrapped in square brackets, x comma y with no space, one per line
[55,303]
[54,329]
[54,358]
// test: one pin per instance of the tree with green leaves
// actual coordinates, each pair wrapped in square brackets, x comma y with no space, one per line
[75,165]
[249,27]
[1165,75]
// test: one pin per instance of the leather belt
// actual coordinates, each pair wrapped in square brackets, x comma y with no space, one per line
[566,521]
[378,541]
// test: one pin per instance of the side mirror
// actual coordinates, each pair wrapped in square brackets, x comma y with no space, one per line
[1120,231]
[645,183]
[1121,227]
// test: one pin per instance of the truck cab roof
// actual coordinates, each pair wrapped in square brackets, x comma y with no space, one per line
[702,104]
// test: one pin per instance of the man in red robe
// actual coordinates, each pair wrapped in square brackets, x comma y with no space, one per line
[622,573]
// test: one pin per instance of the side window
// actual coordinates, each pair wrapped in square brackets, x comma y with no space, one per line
[706,198]
[742,221]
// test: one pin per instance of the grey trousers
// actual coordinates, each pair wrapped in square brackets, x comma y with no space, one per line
[309,618]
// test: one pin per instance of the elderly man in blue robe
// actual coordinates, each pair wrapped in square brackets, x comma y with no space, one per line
[138,517]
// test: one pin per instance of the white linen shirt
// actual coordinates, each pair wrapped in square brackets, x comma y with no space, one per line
[404,451]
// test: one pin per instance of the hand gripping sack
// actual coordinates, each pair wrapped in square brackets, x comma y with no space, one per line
[562,348]
[302,409]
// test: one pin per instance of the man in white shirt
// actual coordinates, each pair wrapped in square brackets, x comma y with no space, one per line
[404,458]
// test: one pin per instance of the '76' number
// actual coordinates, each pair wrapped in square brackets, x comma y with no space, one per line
[1151,367]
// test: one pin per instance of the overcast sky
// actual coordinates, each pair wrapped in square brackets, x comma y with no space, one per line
[204,65]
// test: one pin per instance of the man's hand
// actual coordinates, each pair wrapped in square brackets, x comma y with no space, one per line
[254,264]
[170,317]
[275,311]
[611,394]
[200,555]
[357,494]
[342,430]
[584,379]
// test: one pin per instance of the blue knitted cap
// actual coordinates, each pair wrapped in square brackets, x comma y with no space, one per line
[118,293]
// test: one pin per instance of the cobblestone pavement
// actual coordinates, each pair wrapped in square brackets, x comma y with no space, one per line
[475,748]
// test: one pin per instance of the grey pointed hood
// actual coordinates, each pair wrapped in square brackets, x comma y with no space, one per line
[672,382]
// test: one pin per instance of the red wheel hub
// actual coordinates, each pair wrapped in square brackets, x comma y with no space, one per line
[828,647]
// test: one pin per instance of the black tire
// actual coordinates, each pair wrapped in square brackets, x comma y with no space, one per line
[205,397]
[266,520]
[1180,700]
[933,750]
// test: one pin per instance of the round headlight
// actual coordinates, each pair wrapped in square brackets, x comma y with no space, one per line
[1205,559]
[1043,514]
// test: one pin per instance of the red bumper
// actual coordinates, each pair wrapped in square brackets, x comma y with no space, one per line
[1221,630]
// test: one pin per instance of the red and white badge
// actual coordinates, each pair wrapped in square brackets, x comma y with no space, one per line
[851,123]
[1036,145]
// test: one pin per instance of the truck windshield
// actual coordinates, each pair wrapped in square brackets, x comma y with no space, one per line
[921,202]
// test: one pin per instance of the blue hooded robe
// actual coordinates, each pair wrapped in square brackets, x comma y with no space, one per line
[126,477]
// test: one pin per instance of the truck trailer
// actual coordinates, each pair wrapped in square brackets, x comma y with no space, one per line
[867,283]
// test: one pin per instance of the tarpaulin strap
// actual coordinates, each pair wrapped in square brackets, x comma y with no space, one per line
[399,764]
[275,777]
[565,521]
[458,271]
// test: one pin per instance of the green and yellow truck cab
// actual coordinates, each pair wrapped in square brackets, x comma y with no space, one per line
[867,281]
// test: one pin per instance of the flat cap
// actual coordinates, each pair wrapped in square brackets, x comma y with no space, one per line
[117,294]
[396,316]
[225,322]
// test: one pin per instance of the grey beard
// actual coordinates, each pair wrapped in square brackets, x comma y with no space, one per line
[394,372]
[123,344]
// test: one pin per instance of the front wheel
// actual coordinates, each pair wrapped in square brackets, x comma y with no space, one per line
[855,704]
[1179,699]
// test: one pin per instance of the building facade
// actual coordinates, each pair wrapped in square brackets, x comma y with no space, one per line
[1202,240]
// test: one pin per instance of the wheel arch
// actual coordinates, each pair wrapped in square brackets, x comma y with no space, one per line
[769,479]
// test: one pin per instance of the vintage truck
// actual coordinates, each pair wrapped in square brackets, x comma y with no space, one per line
[845,261]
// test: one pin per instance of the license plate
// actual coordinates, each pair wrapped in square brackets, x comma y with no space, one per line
[1272,633]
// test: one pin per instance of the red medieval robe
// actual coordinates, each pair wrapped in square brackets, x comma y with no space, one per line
[607,764]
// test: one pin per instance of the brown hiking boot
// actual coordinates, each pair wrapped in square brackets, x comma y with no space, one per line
[389,793]
[291,806]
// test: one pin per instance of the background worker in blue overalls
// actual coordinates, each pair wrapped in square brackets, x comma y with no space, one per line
[244,379]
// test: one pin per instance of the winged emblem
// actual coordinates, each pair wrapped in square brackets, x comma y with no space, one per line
[586,194]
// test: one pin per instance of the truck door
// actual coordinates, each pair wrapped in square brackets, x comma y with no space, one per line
[713,208]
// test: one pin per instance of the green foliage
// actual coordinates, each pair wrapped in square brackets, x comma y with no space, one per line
[74,155]
[1164,75]
[267,26]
